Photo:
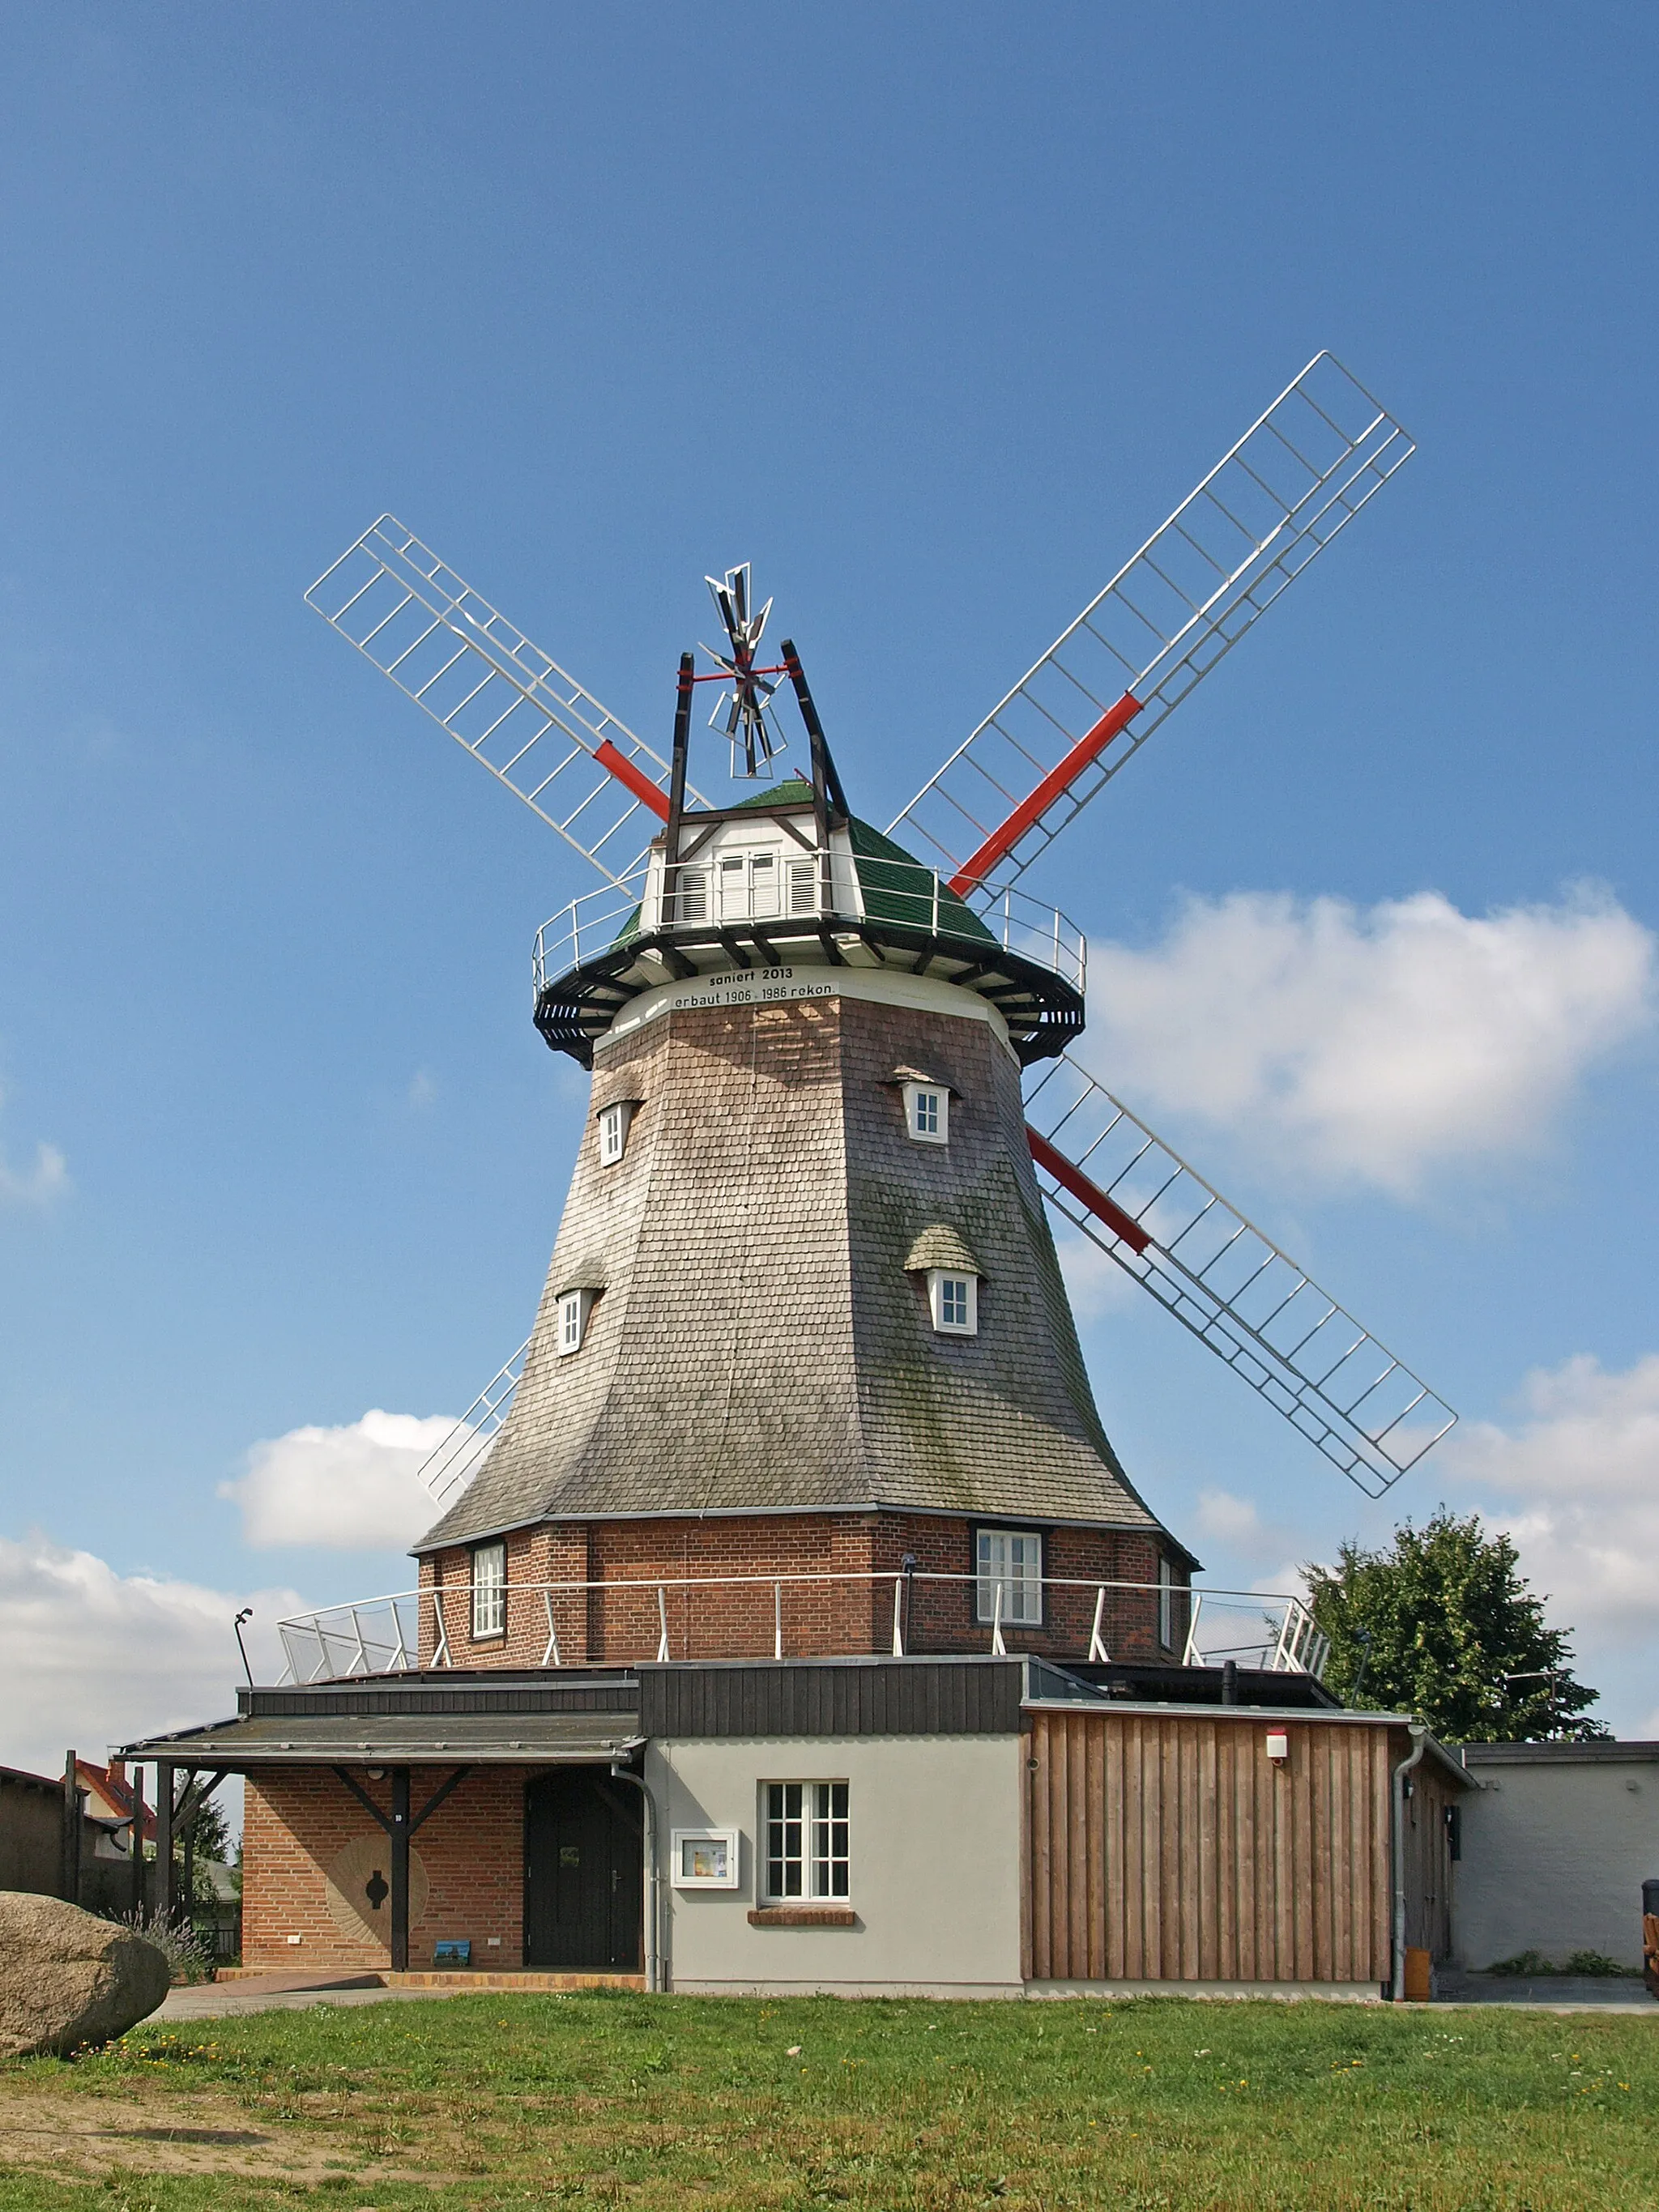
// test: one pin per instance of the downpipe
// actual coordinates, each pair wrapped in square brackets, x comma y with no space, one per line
[653,1878]
[1420,1736]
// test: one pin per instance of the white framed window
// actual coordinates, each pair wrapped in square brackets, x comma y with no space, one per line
[927,1112]
[615,1121]
[953,1301]
[806,1830]
[748,885]
[1009,1560]
[1166,1591]
[490,1590]
[574,1307]
[705,1858]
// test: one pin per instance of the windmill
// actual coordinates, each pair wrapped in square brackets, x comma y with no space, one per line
[935,897]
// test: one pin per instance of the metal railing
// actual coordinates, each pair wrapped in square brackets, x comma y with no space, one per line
[385,1635]
[814,888]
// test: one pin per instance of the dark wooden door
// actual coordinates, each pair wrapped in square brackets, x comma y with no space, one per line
[584,1875]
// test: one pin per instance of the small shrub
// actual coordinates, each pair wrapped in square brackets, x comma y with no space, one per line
[187,1957]
[1523,1962]
[1595,1962]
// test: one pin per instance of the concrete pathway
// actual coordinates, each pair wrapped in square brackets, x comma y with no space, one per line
[1546,1992]
[295,1992]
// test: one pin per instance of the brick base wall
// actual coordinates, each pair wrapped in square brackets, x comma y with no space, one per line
[622,1625]
[297,1825]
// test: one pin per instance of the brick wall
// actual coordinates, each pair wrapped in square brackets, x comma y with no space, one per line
[298,1823]
[819,1618]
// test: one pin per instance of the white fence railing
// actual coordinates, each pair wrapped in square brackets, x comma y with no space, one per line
[408,1629]
[815,887]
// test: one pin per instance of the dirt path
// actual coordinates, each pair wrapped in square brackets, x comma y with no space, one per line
[168,2134]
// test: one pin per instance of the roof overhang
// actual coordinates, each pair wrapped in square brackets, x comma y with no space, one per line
[400,1739]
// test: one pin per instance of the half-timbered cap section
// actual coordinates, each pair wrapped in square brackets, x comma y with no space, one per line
[782,883]
[788,1274]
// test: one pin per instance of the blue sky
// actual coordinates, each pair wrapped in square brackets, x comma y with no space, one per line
[933,313]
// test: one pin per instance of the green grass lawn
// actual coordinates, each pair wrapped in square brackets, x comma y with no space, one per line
[710,2103]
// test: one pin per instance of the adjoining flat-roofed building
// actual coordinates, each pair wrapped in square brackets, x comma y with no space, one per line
[956,1826]
[1556,1844]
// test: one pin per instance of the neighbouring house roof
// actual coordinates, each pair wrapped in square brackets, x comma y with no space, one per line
[1597,1751]
[110,1793]
[31,1781]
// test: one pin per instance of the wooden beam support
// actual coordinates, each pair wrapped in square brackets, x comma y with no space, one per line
[135,1784]
[397,1829]
[167,1890]
[70,1869]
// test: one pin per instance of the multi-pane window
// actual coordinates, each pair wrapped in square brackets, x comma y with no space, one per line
[574,1306]
[953,1300]
[806,1831]
[748,885]
[1009,1561]
[758,885]
[613,1132]
[927,1112]
[1166,1604]
[490,1590]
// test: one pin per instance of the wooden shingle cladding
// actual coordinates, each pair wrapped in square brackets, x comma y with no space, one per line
[759,1345]
[1169,1847]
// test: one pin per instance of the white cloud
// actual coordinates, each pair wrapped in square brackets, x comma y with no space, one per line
[91,1658]
[353,1488]
[1373,1044]
[1575,1483]
[1095,1283]
[48,1179]
[1227,1519]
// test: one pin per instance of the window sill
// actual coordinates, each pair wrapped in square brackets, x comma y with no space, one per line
[803,1916]
[487,1635]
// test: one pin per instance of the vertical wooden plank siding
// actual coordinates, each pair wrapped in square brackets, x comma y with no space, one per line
[1170,1848]
[1078,1746]
[1134,1873]
[1114,1934]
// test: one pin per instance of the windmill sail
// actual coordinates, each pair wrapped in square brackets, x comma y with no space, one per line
[1104,1169]
[1299,476]
[447,1469]
[509,704]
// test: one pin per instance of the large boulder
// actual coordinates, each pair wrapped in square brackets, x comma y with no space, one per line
[67,1977]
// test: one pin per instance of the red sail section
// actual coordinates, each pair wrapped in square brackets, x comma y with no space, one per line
[1087,1193]
[647,793]
[1033,808]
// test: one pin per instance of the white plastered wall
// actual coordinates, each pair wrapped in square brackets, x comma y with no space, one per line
[934,1853]
[1555,1858]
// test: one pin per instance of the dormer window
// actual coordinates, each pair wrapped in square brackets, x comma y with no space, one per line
[614,1123]
[952,1276]
[927,1112]
[574,1307]
[953,1301]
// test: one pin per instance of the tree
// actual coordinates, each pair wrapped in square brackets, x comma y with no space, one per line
[208,1840]
[1444,1625]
